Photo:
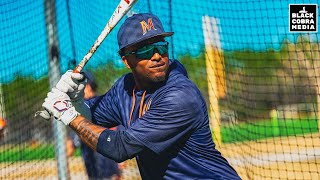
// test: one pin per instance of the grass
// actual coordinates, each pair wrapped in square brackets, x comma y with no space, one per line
[28,153]
[238,133]
[266,129]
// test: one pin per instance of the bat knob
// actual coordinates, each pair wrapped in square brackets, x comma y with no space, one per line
[44,114]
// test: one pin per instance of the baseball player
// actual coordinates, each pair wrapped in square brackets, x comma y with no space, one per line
[163,112]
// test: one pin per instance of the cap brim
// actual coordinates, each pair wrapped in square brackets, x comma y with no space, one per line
[166,34]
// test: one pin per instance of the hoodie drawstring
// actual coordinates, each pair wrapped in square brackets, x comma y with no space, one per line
[143,107]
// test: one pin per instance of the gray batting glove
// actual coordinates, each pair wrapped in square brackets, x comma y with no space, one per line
[73,84]
[59,105]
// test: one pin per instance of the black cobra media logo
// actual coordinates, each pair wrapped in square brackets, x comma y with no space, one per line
[303,18]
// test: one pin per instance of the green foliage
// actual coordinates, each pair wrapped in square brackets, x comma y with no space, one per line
[196,68]
[106,75]
[258,81]
[22,96]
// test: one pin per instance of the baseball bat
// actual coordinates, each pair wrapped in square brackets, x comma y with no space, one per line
[122,9]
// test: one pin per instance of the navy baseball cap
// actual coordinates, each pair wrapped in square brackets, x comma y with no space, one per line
[138,28]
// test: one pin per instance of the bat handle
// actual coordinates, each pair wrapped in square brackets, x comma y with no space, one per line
[78,69]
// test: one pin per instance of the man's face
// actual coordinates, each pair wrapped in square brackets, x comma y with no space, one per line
[149,65]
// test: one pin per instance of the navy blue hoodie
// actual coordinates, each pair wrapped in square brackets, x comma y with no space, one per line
[166,129]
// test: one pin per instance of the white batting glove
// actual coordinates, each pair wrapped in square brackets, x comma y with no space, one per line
[73,84]
[59,105]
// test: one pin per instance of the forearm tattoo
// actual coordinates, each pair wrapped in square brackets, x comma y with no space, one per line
[87,131]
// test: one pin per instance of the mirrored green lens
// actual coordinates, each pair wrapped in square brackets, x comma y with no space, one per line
[147,52]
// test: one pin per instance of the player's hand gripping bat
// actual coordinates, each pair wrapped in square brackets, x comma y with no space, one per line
[123,7]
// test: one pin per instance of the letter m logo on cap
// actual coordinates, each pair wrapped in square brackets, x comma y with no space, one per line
[147,26]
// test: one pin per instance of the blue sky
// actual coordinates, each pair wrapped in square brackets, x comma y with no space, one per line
[255,25]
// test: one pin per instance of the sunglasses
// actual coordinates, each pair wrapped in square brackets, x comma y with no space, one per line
[146,52]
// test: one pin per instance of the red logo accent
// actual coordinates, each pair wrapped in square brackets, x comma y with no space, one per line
[119,8]
[127,1]
[61,105]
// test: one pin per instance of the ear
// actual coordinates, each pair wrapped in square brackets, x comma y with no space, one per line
[125,61]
